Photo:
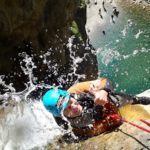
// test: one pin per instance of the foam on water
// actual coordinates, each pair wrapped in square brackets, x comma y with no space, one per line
[138,34]
[126,28]
[110,55]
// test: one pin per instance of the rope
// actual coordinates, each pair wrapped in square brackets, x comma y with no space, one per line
[146,122]
[114,116]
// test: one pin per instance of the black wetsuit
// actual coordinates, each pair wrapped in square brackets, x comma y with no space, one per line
[91,112]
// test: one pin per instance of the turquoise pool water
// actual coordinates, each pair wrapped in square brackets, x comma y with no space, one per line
[124,51]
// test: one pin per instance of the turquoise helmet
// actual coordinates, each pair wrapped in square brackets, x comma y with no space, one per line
[55,101]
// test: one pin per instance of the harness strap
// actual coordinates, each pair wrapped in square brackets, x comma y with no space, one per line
[114,117]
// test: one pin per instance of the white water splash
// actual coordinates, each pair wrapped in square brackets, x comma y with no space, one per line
[8,87]
[25,127]
[28,68]
[76,60]
[135,53]
[25,123]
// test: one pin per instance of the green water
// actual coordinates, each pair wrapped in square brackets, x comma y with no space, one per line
[125,59]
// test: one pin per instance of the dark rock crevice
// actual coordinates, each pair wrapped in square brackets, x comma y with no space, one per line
[37,27]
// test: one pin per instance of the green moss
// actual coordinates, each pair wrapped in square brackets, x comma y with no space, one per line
[75,30]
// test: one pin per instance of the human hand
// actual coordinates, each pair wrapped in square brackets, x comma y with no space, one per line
[95,86]
[101,97]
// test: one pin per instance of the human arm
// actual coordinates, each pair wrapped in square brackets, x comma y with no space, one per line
[100,84]
[91,86]
[96,87]
[101,97]
[100,89]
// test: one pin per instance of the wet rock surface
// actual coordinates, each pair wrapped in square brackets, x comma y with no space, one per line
[39,27]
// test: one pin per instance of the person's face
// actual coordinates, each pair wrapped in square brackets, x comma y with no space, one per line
[73,109]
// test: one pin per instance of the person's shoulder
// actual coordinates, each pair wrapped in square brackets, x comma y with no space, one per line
[84,86]
[80,87]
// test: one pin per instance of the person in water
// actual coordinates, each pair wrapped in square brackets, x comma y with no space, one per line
[88,106]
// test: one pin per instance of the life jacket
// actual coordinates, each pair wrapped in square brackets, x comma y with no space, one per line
[106,123]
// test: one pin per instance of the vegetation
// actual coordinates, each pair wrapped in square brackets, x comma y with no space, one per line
[75,30]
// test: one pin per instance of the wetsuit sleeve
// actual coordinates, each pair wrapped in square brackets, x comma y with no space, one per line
[79,87]
[121,99]
[141,100]
[96,85]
